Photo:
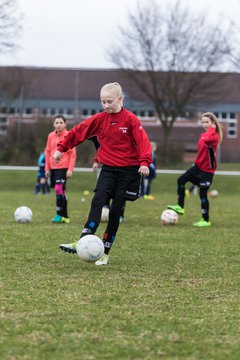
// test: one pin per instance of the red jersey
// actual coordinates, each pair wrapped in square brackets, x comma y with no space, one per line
[207,147]
[122,139]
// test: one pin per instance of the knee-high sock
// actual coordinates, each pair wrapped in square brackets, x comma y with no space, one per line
[204,203]
[99,200]
[181,192]
[61,200]
[116,209]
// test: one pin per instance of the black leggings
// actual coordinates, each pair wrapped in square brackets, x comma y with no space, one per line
[203,190]
[99,200]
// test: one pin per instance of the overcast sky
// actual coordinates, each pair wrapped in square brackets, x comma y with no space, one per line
[76,33]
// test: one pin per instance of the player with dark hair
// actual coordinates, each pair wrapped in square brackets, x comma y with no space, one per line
[59,172]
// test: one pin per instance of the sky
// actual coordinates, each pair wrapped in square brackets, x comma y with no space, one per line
[77,33]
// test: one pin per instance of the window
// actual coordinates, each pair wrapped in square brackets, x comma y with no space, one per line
[4,110]
[28,111]
[69,112]
[188,115]
[232,128]
[3,120]
[85,112]
[3,125]
[93,112]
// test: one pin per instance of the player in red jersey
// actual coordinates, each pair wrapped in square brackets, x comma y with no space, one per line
[125,154]
[202,172]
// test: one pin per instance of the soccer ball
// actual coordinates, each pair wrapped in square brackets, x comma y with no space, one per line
[213,193]
[105,214]
[169,217]
[23,214]
[90,248]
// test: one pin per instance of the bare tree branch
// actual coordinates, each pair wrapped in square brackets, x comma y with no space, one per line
[10,25]
[168,54]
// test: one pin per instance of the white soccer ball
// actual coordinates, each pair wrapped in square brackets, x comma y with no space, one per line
[90,248]
[23,214]
[105,214]
[169,217]
[213,193]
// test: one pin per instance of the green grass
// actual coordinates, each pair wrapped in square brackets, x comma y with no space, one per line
[167,293]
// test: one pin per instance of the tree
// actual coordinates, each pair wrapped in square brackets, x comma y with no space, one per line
[168,54]
[235,53]
[10,26]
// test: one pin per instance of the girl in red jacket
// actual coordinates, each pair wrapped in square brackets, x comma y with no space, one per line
[202,172]
[125,154]
[59,172]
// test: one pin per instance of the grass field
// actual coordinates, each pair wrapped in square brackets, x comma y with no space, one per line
[167,293]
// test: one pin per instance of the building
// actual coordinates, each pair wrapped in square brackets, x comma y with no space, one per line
[28,94]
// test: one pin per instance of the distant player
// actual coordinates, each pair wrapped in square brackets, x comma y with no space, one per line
[147,181]
[60,171]
[202,172]
[42,186]
[125,154]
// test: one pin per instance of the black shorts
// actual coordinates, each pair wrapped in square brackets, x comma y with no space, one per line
[120,181]
[202,179]
[58,176]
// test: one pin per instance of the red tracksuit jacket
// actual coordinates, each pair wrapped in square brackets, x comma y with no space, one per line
[123,141]
[207,147]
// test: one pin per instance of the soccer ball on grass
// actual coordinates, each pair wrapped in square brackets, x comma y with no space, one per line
[213,193]
[90,248]
[23,214]
[169,217]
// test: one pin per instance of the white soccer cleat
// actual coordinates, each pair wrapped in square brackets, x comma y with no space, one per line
[104,260]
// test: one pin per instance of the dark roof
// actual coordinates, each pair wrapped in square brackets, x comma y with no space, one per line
[65,83]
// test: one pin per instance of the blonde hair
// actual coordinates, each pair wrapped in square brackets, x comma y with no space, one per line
[215,121]
[114,88]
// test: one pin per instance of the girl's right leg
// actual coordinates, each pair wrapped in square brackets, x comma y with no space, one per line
[100,198]
[94,217]
[146,186]
[181,181]
[37,188]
